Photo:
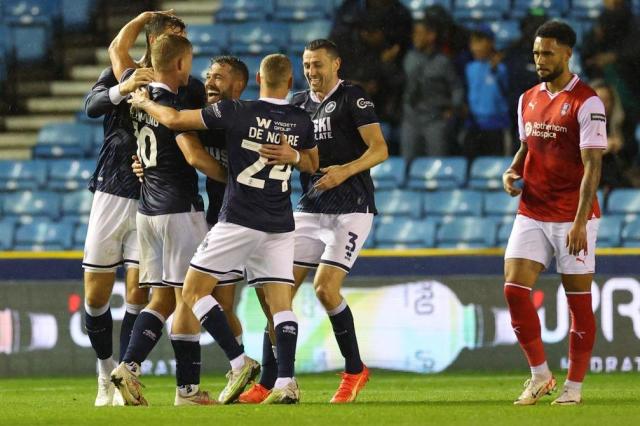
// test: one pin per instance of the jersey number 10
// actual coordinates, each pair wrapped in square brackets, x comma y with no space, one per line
[147,143]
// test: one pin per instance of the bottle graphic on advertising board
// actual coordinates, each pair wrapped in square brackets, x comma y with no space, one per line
[41,327]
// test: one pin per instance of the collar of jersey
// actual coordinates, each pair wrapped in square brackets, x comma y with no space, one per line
[161,86]
[314,98]
[275,101]
[570,85]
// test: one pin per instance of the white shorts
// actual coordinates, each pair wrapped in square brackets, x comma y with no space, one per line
[541,241]
[332,239]
[228,250]
[111,235]
[167,243]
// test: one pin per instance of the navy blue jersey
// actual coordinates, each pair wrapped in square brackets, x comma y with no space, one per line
[170,184]
[336,121]
[214,142]
[113,172]
[258,196]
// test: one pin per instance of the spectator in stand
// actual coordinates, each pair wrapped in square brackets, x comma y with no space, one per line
[433,93]
[487,91]
[615,168]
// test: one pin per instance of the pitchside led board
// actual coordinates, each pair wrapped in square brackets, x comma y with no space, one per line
[420,324]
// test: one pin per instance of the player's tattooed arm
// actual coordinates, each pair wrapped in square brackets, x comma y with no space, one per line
[577,236]
[375,154]
[514,172]
[188,119]
[198,157]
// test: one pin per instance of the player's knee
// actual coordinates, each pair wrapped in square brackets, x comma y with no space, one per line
[137,295]
[325,295]
[96,299]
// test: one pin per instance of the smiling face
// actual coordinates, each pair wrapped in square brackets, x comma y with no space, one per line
[220,82]
[551,58]
[320,70]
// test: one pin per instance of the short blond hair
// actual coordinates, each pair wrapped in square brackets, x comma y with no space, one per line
[275,70]
[167,49]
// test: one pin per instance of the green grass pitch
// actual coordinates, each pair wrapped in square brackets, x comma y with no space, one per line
[388,399]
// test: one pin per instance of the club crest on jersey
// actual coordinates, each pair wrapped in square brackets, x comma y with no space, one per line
[532,105]
[330,107]
[565,108]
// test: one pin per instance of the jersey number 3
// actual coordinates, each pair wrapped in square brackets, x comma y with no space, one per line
[246,177]
[147,147]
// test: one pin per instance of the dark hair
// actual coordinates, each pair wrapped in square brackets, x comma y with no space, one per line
[561,31]
[156,26]
[323,43]
[235,63]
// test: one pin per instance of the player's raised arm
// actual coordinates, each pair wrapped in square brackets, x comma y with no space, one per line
[198,157]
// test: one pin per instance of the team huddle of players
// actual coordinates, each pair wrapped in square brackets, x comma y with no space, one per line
[170,124]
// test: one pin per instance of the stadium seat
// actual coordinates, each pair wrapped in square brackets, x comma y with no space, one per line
[486,172]
[480,9]
[29,204]
[70,174]
[437,173]
[299,81]
[26,9]
[389,174]
[250,94]
[208,39]
[253,65]
[399,203]
[296,185]
[631,234]
[22,175]
[398,232]
[552,8]
[7,232]
[504,231]
[301,10]
[302,33]
[610,231]
[500,205]
[259,38]
[624,202]
[506,33]
[466,232]
[417,7]
[585,9]
[44,235]
[295,197]
[79,236]
[200,66]
[77,14]
[77,203]
[29,39]
[243,10]
[64,140]
[457,202]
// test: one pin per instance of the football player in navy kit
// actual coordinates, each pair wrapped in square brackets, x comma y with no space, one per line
[111,235]
[255,227]
[335,214]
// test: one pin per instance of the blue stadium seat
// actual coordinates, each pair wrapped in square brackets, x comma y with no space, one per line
[29,204]
[389,174]
[25,9]
[624,202]
[200,66]
[392,232]
[301,10]
[259,37]
[456,202]
[504,231]
[64,140]
[610,231]
[253,65]
[585,9]
[295,197]
[500,204]
[44,235]
[437,173]
[82,117]
[553,8]
[303,33]
[399,203]
[29,39]
[7,232]
[466,232]
[296,185]
[250,94]
[70,174]
[79,236]
[506,33]
[299,81]
[77,14]
[486,172]
[631,234]
[243,10]
[77,203]
[480,9]
[22,175]
[208,39]
[417,7]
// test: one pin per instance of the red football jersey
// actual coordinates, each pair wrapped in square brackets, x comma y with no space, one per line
[555,127]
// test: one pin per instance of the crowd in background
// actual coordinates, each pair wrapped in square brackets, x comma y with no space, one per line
[444,89]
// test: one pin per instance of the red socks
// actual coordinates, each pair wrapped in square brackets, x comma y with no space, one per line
[525,322]
[582,335]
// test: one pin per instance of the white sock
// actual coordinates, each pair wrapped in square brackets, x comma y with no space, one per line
[188,390]
[573,385]
[237,363]
[239,339]
[281,382]
[105,366]
[541,372]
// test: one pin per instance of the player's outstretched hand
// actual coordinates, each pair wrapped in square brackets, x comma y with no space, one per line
[577,239]
[140,77]
[279,154]
[139,98]
[509,182]
[137,168]
[333,176]
[147,16]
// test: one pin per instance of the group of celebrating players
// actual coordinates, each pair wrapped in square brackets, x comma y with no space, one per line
[149,217]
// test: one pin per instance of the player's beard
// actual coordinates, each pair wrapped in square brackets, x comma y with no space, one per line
[551,76]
